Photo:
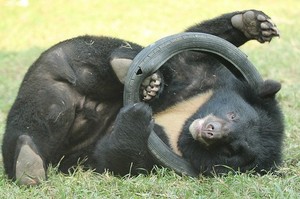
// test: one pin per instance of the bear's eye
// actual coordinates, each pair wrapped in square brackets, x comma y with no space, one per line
[231,115]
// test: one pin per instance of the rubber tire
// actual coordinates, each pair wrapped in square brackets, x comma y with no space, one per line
[151,58]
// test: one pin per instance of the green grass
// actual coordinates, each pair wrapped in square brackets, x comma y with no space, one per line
[26,31]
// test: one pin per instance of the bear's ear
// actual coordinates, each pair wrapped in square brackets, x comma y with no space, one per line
[269,88]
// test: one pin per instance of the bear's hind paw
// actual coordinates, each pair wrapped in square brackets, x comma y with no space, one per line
[29,165]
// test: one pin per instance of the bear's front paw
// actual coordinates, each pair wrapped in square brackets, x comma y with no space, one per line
[151,86]
[255,25]
[134,120]
[136,112]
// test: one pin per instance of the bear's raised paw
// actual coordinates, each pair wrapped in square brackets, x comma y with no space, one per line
[255,25]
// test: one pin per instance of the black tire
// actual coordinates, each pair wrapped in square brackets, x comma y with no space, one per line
[154,56]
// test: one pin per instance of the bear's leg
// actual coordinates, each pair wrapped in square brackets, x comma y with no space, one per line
[240,27]
[36,129]
[125,150]
[29,165]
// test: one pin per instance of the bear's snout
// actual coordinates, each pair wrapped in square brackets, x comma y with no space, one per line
[209,129]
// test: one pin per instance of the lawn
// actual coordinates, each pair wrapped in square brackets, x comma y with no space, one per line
[28,29]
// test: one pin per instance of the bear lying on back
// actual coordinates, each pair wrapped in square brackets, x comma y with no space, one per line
[68,109]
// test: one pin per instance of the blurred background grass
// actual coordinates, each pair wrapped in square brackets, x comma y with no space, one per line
[29,27]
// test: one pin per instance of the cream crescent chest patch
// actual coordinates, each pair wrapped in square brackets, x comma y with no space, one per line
[173,118]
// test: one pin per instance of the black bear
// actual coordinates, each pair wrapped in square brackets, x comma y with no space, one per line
[69,108]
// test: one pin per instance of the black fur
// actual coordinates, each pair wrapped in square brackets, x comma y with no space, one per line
[69,102]
[255,135]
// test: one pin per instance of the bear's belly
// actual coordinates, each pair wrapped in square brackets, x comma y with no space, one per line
[92,120]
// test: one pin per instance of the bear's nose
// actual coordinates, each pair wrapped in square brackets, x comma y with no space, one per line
[213,130]
[213,126]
